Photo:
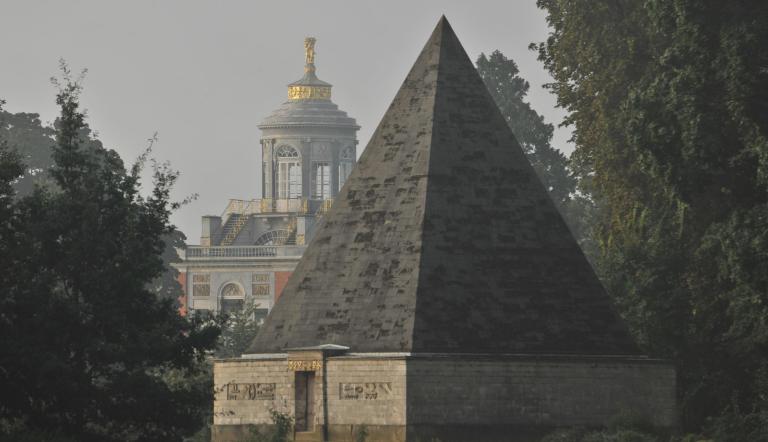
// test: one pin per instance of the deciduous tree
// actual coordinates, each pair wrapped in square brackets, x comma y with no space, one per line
[509,90]
[669,105]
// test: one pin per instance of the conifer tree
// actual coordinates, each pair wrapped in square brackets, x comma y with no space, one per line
[89,350]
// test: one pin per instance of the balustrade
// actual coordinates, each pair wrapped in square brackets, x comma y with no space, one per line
[203,252]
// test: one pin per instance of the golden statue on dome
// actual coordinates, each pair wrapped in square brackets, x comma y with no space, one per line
[309,49]
[309,87]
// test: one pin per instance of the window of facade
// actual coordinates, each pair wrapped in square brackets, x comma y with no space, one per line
[232,298]
[346,161]
[288,173]
[229,306]
[232,290]
[262,285]
[273,238]
[321,177]
[201,284]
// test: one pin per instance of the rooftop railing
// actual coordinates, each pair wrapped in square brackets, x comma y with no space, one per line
[227,252]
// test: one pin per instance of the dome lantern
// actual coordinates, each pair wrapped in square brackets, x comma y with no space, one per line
[309,87]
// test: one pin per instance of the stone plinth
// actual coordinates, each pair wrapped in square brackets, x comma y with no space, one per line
[405,397]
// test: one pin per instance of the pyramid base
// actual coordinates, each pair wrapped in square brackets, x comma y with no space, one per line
[444,397]
[397,433]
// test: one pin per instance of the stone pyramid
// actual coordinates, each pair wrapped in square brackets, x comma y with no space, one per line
[443,239]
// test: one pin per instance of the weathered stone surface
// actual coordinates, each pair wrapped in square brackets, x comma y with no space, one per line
[452,397]
[238,409]
[444,239]
[546,392]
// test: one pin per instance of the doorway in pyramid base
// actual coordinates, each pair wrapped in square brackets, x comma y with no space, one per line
[333,394]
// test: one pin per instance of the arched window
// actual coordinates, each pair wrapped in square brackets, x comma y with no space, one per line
[288,172]
[232,298]
[287,152]
[232,290]
[273,238]
[346,161]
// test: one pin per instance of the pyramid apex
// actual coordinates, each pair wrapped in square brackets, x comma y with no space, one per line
[442,27]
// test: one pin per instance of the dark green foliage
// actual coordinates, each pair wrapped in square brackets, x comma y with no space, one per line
[238,330]
[669,103]
[11,169]
[25,133]
[581,435]
[624,427]
[167,285]
[509,90]
[575,434]
[281,429]
[361,435]
[17,431]
[283,426]
[34,143]
[89,350]
[737,427]
[619,436]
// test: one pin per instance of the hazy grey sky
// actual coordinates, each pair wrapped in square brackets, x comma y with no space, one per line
[204,73]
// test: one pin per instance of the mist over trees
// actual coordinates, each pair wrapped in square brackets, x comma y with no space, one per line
[27,131]
[509,91]
[669,105]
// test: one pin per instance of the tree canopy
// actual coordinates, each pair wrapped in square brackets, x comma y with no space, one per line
[33,141]
[238,330]
[509,90]
[89,349]
[668,101]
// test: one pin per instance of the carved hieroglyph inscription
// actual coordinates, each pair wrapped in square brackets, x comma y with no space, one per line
[365,391]
[250,392]
[305,365]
